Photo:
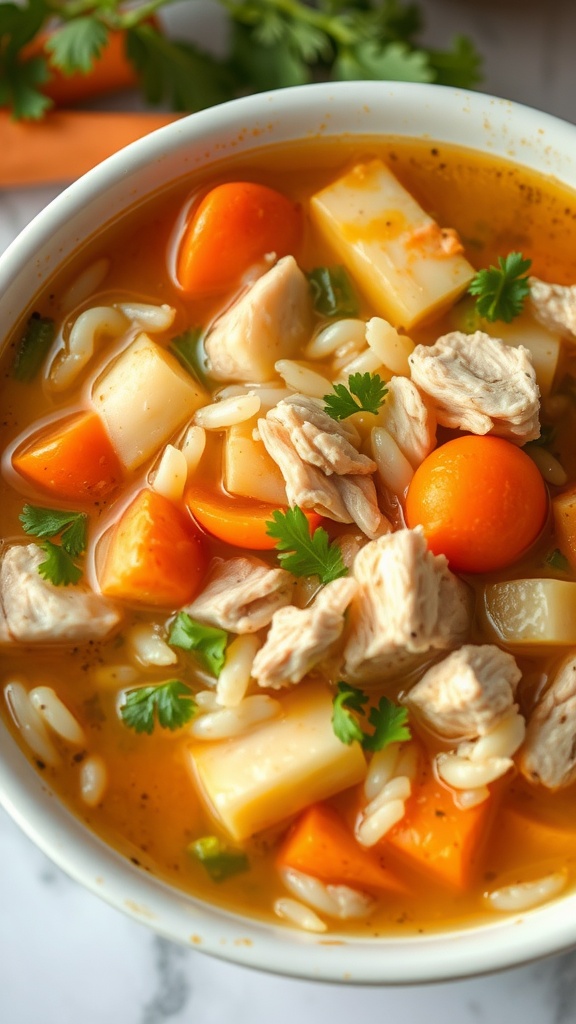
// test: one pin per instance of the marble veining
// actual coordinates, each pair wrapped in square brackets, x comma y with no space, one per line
[65,955]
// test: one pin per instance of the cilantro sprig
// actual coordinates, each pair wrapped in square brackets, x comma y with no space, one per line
[304,553]
[365,393]
[389,721]
[208,643]
[500,291]
[272,44]
[170,705]
[59,566]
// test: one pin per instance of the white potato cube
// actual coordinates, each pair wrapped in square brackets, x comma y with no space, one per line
[403,262]
[257,780]
[248,469]
[535,611]
[143,398]
[542,344]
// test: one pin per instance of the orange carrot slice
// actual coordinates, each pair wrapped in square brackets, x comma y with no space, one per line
[320,844]
[73,460]
[237,521]
[235,226]
[155,554]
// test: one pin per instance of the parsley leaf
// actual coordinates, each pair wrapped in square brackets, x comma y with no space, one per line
[390,722]
[59,567]
[390,725]
[345,724]
[220,861]
[396,62]
[501,290]
[332,292]
[77,44]
[171,704]
[207,642]
[303,553]
[186,348]
[368,388]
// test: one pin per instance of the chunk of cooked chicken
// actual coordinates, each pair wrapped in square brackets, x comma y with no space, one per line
[242,595]
[554,306]
[466,694]
[548,755]
[270,321]
[408,604]
[321,465]
[299,638]
[409,419]
[36,611]
[478,383]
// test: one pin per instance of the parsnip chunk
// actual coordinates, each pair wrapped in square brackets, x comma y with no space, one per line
[143,398]
[256,780]
[535,611]
[542,344]
[408,267]
[248,469]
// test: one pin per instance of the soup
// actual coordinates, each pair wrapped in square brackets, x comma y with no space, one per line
[287,604]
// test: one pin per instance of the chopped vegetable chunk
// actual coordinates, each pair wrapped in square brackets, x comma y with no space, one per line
[405,264]
[155,554]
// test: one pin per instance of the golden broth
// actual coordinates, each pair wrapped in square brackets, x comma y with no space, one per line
[150,811]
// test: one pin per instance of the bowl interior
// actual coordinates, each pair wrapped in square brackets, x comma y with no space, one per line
[480,122]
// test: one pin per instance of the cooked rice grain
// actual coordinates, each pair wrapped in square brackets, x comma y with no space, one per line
[148,648]
[331,338]
[525,895]
[228,722]
[169,477]
[30,723]
[391,347]
[298,914]
[234,678]
[93,780]
[339,901]
[56,715]
[304,380]
[228,412]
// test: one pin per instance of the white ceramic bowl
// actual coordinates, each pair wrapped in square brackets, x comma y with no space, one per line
[491,125]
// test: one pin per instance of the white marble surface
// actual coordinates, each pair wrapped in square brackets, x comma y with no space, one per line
[66,956]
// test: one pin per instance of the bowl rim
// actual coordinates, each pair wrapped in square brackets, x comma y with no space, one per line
[507,129]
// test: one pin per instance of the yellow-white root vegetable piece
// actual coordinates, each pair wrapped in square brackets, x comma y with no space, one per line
[408,267]
[254,781]
[542,344]
[143,398]
[535,611]
[249,471]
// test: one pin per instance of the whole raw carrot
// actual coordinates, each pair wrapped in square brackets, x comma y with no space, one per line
[66,144]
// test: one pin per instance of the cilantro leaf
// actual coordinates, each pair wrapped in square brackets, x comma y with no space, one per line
[368,388]
[344,723]
[58,568]
[332,292]
[303,553]
[501,290]
[207,642]
[395,62]
[170,704]
[390,722]
[186,348]
[77,44]
[33,348]
[390,725]
[220,861]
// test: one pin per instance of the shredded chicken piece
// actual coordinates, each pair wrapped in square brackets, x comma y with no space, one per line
[554,306]
[320,464]
[548,755]
[299,638]
[408,603]
[478,383]
[408,419]
[466,694]
[242,595]
[431,238]
[36,611]
[270,321]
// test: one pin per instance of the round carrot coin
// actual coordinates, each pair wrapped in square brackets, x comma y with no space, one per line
[481,501]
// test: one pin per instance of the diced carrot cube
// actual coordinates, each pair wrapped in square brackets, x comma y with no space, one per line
[73,460]
[155,554]
[320,844]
